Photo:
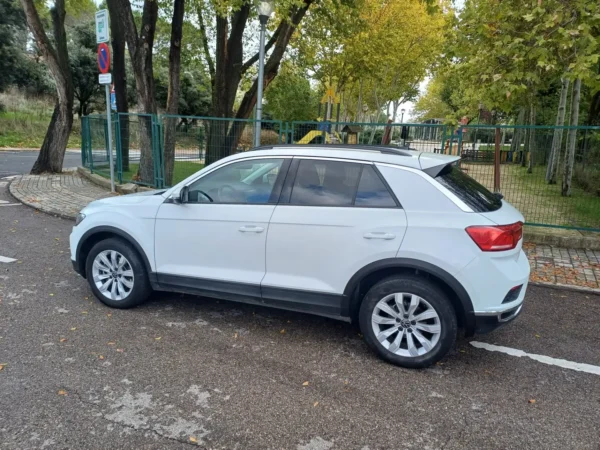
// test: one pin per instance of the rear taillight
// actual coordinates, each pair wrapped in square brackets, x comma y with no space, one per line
[496,238]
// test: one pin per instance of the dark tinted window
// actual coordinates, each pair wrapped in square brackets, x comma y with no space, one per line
[325,183]
[468,190]
[372,191]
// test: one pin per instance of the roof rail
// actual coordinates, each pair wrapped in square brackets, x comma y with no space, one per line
[389,149]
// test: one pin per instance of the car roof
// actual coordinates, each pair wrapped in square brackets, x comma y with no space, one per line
[431,163]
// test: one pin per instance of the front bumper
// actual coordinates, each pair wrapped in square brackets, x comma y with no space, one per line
[76,267]
[490,320]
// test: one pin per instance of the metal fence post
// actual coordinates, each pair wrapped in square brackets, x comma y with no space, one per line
[118,148]
[497,162]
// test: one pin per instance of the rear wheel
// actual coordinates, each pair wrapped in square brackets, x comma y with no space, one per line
[408,321]
[116,274]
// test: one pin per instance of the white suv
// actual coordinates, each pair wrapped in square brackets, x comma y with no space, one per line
[403,242]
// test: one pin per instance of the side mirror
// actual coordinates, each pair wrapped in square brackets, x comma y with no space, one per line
[180,197]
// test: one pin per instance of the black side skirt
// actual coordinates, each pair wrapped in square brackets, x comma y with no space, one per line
[319,303]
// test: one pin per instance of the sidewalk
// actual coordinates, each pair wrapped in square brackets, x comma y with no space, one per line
[66,194]
[62,195]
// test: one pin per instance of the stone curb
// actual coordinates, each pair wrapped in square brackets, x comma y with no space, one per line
[566,287]
[37,206]
[127,188]
[583,242]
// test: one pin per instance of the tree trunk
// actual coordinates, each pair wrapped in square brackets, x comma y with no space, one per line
[532,143]
[120,83]
[515,145]
[594,111]
[174,82]
[229,70]
[552,169]
[571,140]
[140,51]
[55,142]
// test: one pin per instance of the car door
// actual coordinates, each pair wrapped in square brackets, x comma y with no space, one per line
[215,238]
[334,217]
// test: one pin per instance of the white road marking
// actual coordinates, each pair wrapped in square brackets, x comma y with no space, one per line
[579,367]
[5,259]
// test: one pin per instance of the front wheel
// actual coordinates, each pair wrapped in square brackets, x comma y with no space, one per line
[408,321]
[117,274]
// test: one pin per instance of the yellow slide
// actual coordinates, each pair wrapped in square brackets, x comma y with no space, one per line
[314,133]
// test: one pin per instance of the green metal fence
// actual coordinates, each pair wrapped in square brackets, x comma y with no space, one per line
[509,159]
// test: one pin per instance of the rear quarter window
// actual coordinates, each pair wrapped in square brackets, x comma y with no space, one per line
[474,194]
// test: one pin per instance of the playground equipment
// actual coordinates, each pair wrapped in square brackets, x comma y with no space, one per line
[324,131]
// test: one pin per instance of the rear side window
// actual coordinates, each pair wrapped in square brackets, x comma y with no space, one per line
[477,196]
[372,192]
[336,183]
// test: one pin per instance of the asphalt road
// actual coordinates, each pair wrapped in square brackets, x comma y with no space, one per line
[14,162]
[183,371]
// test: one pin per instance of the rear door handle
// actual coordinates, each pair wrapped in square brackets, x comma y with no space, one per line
[251,229]
[379,235]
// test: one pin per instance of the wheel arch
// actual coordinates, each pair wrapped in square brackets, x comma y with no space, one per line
[366,277]
[100,233]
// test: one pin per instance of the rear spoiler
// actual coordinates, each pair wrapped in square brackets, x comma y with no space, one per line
[433,163]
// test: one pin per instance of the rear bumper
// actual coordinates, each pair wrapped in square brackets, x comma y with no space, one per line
[490,320]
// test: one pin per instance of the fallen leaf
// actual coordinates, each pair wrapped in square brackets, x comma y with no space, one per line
[235,335]
[62,392]
[537,336]
[305,383]
[282,331]
[158,338]
[57,239]
[73,329]
[2,366]
[84,312]
[100,357]
[51,295]
[109,314]
[120,350]
[532,400]
[111,343]
[345,381]
[315,404]
[63,340]
[193,439]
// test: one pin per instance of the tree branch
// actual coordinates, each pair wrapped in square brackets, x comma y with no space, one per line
[204,37]
[268,46]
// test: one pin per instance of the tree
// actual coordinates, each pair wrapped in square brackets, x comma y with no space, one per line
[552,169]
[290,96]
[174,88]
[119,75]
[228,67]
[84,67]
[140,50]
[12,28]
[53,148]
[571,140]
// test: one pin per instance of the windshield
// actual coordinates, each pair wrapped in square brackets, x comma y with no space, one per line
[477,196]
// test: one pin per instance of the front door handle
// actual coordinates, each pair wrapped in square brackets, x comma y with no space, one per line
[379,235]
[251,229]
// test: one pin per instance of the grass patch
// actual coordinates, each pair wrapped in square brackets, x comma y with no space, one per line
[540,202]
[24,121]
[181,171]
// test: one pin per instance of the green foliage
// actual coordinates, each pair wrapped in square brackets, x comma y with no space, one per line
[84,68]
[290,96]
[194,96]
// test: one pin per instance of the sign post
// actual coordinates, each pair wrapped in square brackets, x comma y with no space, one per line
[105,78]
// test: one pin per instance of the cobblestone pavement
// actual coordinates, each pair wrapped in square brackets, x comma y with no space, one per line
[564,266]
[63,195]
[66,194]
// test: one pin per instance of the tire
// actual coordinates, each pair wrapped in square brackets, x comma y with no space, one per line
[431,337]
[132,287]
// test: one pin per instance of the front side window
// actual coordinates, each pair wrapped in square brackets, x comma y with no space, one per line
[243,182]
[336,183]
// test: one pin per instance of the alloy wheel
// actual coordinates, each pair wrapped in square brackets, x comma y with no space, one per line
[113,275]
[406,324]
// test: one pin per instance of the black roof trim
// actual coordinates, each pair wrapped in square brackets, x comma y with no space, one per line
[388,149]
